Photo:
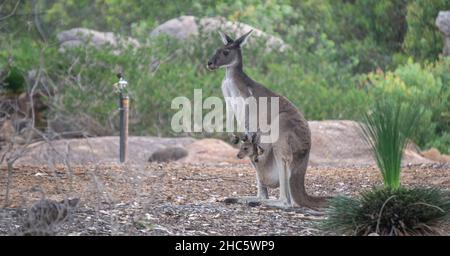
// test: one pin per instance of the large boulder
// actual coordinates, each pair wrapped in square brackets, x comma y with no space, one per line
[98,150]
[187,26]
[339,143]
[334,144]
[82,36]
[443,23]
[7,131]
[212,151]
[435,155]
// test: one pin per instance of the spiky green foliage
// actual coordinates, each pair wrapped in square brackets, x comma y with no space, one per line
[15,81]
[387,129]
[402,211]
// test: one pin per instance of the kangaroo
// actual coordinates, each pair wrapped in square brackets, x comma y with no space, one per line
[250,147]
[285,160]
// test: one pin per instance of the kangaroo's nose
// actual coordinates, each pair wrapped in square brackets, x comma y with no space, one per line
[209,63]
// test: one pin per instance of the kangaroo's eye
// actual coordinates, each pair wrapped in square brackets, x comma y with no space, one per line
[225,52]
[245,148]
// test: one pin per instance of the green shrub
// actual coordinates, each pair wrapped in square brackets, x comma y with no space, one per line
[392,210]
[14,82]
[165,68]
[441,115]
[423,40]
[332,42]
[425,86]
[403,211]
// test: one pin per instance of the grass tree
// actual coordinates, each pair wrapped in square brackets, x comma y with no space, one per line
[392,209]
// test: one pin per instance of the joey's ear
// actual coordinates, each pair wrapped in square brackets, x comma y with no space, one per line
[254,135]
[225,38]
[243,39]
[260,151]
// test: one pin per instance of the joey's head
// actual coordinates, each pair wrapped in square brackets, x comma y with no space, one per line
[246,149]
[230,54]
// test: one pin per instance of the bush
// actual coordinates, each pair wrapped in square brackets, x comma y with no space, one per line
[14,82]
[369,31]
[425,86]
[423,39]
[164,68]
[403,211]
[392,210]
[332,43]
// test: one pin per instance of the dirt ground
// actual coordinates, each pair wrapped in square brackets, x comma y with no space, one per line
[183,199]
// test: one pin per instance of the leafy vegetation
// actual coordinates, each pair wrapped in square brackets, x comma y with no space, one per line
[344,56]
[393,209]
[385,211]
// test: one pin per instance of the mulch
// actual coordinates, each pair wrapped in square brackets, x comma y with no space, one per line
[184,199]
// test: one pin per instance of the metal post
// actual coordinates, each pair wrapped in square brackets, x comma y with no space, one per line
[123,127]
[123,112]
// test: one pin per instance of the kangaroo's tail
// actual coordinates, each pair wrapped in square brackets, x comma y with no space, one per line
[297,185]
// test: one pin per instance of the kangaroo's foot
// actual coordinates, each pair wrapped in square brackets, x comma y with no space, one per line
[277,203]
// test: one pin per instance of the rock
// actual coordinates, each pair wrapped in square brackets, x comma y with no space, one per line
[82,36]
[99,150]
[75,127]
[435,155]
[212,151]
[188,26]
[16,132]
[168,154]
[180,28]
[443,23]
[339,143]
[334,144]
[7,131]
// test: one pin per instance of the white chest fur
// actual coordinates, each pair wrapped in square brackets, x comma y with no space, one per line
[229,88]
[235,101]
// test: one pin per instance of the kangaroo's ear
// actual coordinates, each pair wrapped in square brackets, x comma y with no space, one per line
[225,38]
[243,39]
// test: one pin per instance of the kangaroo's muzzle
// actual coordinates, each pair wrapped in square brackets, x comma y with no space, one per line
[211,66]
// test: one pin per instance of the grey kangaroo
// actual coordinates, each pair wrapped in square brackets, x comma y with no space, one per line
[284,161]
